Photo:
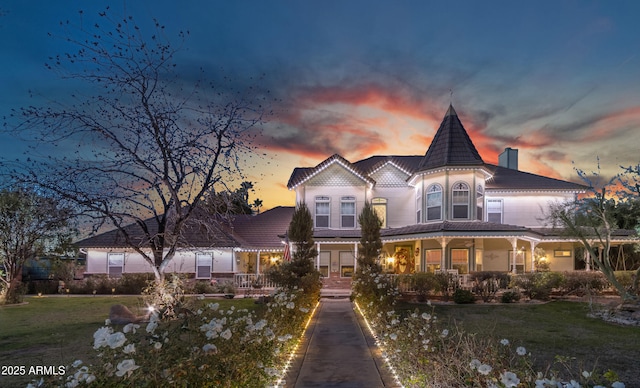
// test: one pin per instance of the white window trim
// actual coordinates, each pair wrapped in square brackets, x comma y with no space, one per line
[380,202]
[111,255]
[495,200]
[430,191]
[204,256]
[458,187]
[321,199]
[348,199]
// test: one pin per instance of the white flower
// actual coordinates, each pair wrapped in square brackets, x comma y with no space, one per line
[586,374]
[226,334]
[291,305]
[214,306]
[126,367]
[426,316]
[73,383]
[445,333]
[107,322]
[509,379]
[76,363]
[261,324]
[157,345]
[617,384]
[484,369]
[116,340]
[152,325]
[100,337]
[504,342]
[130,348]
[475,363]
[131,327]
[521,350]
[304,309]
[209,348]
[393,336]
[90,379]
[38,383]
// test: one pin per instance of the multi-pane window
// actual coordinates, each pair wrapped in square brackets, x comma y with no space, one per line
[380,208]
[203,265]
[348,212]
[460,260]
[494,210]
[460,200]
[433,259]
[322,212]
[115,264]
[434,202]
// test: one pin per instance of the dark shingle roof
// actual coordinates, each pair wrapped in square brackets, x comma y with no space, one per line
[451,146]
[246,231]
[508,179]
[262,230]
[196,233]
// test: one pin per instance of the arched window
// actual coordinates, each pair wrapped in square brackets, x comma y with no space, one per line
[460,200]
[380,207]
[434,202]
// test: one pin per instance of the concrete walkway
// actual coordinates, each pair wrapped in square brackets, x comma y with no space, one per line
[338,351]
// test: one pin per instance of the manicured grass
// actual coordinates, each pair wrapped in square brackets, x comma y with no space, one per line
[552,329]
[59,330]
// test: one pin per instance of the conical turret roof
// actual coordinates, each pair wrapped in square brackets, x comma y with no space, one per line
[451,146]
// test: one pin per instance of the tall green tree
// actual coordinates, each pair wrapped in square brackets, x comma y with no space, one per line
[370,242]
[31,226]
[300,272]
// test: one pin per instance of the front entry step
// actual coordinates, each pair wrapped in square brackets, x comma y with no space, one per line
[336,283]
[335,287]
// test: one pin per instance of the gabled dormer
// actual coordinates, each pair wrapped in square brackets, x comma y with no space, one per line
[450,179]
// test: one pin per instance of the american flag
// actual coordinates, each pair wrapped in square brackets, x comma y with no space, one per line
[287,249]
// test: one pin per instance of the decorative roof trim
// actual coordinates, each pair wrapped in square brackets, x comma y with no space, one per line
[391,162]
[418,174]
[329,162]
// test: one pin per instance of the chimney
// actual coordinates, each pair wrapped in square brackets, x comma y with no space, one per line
[509,158]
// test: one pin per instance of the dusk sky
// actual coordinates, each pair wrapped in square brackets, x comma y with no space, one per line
[558,80]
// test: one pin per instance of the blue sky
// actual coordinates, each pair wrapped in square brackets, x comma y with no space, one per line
[559,80]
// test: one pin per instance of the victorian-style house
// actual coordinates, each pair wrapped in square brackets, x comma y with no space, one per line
[448,210]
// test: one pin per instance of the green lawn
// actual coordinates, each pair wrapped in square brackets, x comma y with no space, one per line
[552,329]
[59,330]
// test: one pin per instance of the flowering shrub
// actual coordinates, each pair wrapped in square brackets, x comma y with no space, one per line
[197,344]
[424,352]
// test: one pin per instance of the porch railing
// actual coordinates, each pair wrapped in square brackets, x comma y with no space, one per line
[245,281]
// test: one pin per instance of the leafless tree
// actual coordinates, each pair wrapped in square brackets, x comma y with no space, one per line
[136,148]
[591,221]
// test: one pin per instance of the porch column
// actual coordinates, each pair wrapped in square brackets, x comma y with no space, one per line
[443,262]
[533,261]
[355,257]
[514,246]
[318,256]
[587,259]
[258,262]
